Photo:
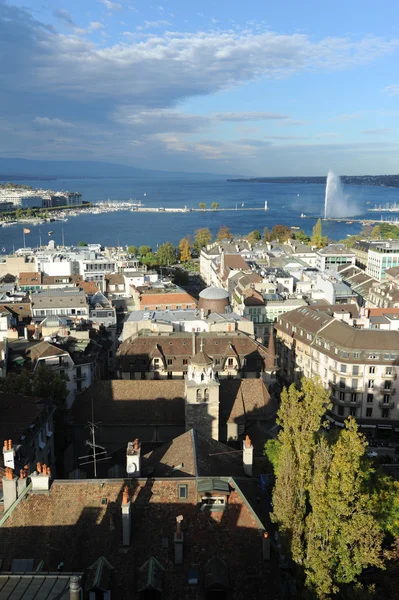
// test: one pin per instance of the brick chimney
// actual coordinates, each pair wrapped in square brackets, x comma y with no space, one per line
[178,540]
[75,588]
[41,478]
[8,454]
[126,517]
[266,546]
[23,480]
[133,458]
[247,456]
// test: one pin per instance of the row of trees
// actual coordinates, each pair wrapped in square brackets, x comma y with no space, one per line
[214,205]
[168,254]
[331,507]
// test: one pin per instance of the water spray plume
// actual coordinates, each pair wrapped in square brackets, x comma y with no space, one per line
[336,202]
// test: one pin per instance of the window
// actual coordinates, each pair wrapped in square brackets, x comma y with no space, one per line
[335,364]
[355,370]
[354,384]
[370,397]
[356,355]
[217,361]
[388,370]
[206,394]
[387,385]
[230,362]
[343,368]
[342,396]
[183,492]
[385,413]
[352,412]
[353,397]
[199,396]
[341,411]
[169,361]
[185,361]
[369,412]
[373,356]
[372,370]
[342,382]
[386,399]
[371,384]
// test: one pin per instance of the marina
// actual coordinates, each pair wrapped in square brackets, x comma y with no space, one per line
[394,207]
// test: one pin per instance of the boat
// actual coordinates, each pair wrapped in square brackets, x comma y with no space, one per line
[242,204]
[294,227]
[368,202]
[50,232]
[349,222]
[302,216]
[9,223]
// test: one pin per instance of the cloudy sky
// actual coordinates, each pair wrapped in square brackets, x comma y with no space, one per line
[261,87]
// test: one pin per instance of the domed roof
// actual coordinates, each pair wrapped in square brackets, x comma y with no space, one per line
[214,293]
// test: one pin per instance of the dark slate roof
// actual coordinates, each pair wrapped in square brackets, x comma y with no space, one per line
[132,401]
[193,454]
[43,586]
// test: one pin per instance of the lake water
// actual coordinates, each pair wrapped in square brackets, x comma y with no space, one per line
[286,202]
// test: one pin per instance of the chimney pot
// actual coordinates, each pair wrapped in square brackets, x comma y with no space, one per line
[247,456]
[75,588]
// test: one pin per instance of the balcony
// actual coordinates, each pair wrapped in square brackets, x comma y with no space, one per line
[80,377]
[390,375]
[389,405]
[346,402]
[385,390]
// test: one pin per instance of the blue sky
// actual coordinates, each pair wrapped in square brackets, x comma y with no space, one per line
[262,87]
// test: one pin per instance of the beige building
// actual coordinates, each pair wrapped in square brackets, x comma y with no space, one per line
[359,366]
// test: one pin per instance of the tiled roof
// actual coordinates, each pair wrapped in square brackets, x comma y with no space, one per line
[132,401]
[79,521]
[45,350]
[235,262]
[115,279]
[161,298]
[29,278]
[393,272]
[243,400]
[193,454]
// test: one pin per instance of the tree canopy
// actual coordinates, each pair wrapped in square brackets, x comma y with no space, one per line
[254,236]
[132,250]
[43,383]
[224,233]
[166,254]
[184,249]
[320,499]
[202,238]
[282,233]
[144,250]
[215,205]
[317,238]
[82,244]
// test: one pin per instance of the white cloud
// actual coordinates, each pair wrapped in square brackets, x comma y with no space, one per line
[377,131]
[152,25]
[392,89]
[46,123]
[95,25]
[248,116]
[63,15]
[111,5]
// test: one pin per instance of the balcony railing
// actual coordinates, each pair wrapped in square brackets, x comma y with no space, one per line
[353,403]
[385,390]
[389,405]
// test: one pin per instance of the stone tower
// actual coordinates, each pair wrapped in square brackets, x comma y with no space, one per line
[202,396]
[270,364]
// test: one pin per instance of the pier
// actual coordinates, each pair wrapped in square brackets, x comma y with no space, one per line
[349,221]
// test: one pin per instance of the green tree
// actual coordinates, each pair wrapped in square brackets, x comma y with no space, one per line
[385,231]
[224,233]
[29,212]
[166,254]
[202,205]
[300,416]
[202,238]
[144,250]
[272,451]
[342,535]
[282,233]
[254,236]
[301,236]
[82,244]
[50,385]
[215,205]
[317,238]
[18,213]
[184,249]
[132,250]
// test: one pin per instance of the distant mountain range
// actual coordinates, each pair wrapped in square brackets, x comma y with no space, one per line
[380,180]
[19,168]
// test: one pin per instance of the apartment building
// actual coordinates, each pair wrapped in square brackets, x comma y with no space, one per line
[333,256]
[59,302]
[359,366]
[381,257]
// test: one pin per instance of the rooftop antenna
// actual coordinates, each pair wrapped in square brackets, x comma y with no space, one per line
[92,444]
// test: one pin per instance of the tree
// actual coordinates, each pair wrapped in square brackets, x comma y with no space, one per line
[29,212]
[317,238]
[202,205]
[343,536]
[202,238]
[224,233]
[18,213]
[266,235]
[166,254]
[50,385]
[82,244]
[215,205]
[132,250]
[282,233]
[144,250]
[300,417]
[272,451]
[385,231]
[184,248]
[254,236]
[301,236]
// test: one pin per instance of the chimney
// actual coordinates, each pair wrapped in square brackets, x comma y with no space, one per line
[75,588]
[178,540]
[133,458]
[40,479]
[9,488]
[23,480]
[222,263]
[247,456]
[266,546]
[8,454]
[126,517]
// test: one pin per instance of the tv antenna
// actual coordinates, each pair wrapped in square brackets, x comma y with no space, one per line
[97,450]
